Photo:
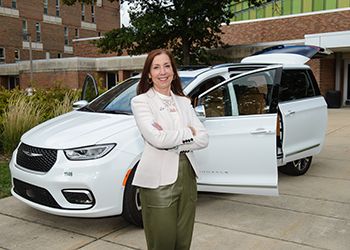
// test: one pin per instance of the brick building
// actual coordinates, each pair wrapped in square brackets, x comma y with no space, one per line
[324,23]
[51,27]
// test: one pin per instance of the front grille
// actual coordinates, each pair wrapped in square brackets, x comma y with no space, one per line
[37,159]
[34,193]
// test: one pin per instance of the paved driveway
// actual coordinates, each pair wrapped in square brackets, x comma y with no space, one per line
[312,212]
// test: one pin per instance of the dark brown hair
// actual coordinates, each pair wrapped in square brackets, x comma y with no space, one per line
[144,84]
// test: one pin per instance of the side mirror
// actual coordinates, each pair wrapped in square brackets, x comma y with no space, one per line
[79,104]
[200,112]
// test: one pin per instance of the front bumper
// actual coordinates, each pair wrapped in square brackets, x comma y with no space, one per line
[102,177]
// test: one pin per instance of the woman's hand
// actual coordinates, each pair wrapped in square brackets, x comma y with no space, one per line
[192,130]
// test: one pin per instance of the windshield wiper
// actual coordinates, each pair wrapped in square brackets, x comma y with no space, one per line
[115,112]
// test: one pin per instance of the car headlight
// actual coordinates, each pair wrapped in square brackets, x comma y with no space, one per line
[88,153]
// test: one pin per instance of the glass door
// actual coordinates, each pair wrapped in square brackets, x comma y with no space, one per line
[346,87]
[347,99]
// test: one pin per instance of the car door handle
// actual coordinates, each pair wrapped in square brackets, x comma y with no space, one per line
[290,113]
[260,131]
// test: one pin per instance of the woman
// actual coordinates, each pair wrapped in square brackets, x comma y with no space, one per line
[166,173]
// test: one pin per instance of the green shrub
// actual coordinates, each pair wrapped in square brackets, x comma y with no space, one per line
[21,115]
[65,105]
[5,180]
[56,99]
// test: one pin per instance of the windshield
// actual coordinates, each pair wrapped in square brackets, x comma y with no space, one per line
[118,99]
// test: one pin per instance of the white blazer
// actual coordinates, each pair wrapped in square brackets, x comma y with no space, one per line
[160,159]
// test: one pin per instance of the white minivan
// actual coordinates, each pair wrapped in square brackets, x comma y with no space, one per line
[263,113]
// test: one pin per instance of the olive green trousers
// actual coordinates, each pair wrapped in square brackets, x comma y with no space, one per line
[168,211]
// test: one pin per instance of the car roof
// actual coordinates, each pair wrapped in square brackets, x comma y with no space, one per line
[192,73]
[289,56]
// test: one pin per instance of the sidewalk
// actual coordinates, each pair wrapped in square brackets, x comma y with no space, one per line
[311,212]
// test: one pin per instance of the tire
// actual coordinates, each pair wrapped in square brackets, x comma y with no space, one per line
[297,167]
[132,202]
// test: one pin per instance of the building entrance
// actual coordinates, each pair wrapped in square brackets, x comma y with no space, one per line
[347,99]
[346,93]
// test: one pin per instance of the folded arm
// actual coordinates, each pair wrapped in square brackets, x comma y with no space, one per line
[157,136]
[200,138]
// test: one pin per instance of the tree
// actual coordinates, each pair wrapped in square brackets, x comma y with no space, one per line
[186,27]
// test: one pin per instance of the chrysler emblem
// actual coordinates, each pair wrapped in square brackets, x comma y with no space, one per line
[30,154]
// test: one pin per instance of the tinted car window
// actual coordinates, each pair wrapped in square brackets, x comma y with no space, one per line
[204,86]
[217,103]
[118,99]
[254,92]
[247,95]
[295,84]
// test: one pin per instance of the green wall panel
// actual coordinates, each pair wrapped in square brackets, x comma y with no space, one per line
[330,4]
[307,6]
[343,3]
[269,10]
[296,6]
[318,5]
[287,7]
[284,7]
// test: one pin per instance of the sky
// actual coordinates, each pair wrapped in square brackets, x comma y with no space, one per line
[124,15]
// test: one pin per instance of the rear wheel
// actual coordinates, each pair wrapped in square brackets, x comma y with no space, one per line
[297,167]
[132,202]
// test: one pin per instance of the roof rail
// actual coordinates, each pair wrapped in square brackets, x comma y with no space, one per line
[191,67]
[222,65]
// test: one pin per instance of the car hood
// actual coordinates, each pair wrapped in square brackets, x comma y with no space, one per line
[77,129]
[287,54]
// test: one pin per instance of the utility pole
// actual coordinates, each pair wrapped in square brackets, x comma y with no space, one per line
[29,89]
[30,60]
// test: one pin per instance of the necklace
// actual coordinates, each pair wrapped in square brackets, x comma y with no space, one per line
[168,103]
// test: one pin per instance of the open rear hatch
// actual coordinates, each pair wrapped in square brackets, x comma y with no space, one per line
[287,54]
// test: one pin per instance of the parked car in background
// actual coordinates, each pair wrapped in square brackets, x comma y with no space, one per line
[263,113]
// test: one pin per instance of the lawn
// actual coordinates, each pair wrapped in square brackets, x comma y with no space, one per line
[5,179]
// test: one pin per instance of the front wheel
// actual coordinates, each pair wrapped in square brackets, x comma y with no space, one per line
[132,202]
[297,167]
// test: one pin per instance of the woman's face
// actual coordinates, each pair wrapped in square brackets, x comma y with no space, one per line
[162,73]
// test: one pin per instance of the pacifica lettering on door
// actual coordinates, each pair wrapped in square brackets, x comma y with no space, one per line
[214,172]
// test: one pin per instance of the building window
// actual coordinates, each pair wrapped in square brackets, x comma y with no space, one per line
[92,12]
[14,4]
[57,7]
[46,4]
[17,55]
[59,55]
[24,30]
[82,11]
[13,82]
[0,2]
[38,32]
[2,55]
[99,33]
[76,33]
[66,37]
